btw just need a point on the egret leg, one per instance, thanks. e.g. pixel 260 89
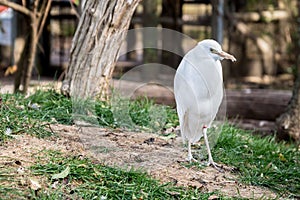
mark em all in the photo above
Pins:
pixel 190 156
pixel 210 159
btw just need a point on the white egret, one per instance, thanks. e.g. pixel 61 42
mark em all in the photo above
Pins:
pixel 198 88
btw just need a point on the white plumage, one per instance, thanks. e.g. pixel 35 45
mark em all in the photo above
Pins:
pixel 198 88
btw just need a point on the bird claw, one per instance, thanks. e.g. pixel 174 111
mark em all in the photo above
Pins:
pixel 216 166
pixel 192 160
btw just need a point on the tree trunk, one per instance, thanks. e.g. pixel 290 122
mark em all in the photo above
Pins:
pixel 22 62
pixel 288 124
pixel 31 54
pixel 96 44
pixel 36 19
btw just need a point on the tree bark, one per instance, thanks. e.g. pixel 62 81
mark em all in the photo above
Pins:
pixel 21 63
pixel 32 48
pixel 96 44
pixel 288 124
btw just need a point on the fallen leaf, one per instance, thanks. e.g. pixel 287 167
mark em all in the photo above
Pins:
pixel 34 184
pixel 213 197
pixel 62 174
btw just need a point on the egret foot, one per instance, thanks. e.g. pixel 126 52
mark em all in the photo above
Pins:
pixel 191 159
pixel 216 166
pixel 188 159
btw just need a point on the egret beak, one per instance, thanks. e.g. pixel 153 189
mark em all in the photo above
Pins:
pixel 225 55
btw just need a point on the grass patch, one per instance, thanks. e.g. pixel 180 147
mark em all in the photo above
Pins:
pixel 10 181
pixel 31 115
pixel 87 179
pixel 261 161
pixel 90 180
pixel 141 114
pixel 54 107
pixel 21 115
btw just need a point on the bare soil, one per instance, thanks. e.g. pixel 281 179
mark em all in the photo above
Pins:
pixel 159 157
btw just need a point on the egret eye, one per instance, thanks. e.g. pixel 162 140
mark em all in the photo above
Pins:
pixel 212 50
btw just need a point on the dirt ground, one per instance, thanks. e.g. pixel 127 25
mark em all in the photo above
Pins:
pixel 154 154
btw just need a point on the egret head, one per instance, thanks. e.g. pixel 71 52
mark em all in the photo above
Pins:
pixel 214 49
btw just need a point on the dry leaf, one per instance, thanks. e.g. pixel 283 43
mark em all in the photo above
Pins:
pixel 34 184
pixel 62 174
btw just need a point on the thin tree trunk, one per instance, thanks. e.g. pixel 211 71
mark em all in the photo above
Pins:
pixel 288 124
pixel 21 65
pixel 31 55
pixel 96 44
pixel 36 19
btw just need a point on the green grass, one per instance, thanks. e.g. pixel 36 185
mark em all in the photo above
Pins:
pixel 141 114
pixel 54 107
pixel 33 114
pixel 90 180
pixel 259 161
pixel 19 114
